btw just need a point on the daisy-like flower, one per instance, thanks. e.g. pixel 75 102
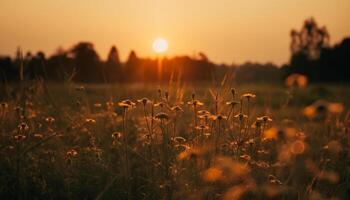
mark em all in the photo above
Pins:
pixel 160 104
pixel 265 118
pixel 162 116
pixel 88 120
pixel 203 112
pixel 50 120
pixel 98 105
pixel 241 116
pixel 202 127
pixel 19 137
pixel 144 101
pixel 126 103
pixel 249 95
pixel 218 117
pixel 23 127
pixel 176 109
pixel 195 103
pixel 232 103
pixel 72 153
pixel 117 135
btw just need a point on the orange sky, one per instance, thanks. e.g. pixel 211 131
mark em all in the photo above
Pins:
pixel 226 30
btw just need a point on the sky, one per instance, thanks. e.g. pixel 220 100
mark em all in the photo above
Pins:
pixel 227 31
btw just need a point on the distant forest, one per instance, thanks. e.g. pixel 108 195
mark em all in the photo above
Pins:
pixel 311 55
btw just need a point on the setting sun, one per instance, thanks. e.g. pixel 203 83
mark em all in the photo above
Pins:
pixel 160 45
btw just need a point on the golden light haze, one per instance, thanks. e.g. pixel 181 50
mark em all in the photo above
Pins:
pixel 226 30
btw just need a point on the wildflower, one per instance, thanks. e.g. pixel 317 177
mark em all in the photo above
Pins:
pixel 176 109
pixel 20 137
pixel 248 95
pixel 241 116
pixel 90 120
pixel 162 116
pixel 245 157
pixel 17 109
pixel 159 104
pixel 49 120
pixel 202 127
pixel 98 105
pixel 203 112
pixel 23 127
pixel 117 135
pixel 179 140
pixel 250 142
pixel 265 119
pixel 144 101
pixel 274 180
pixel 126 104
pixel 195 103
pixel 232 103
pixel 218 117
pixel 72 153
pixel 38 136
pixel 109 104
pixel 262 164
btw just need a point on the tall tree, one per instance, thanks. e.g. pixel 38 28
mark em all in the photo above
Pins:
pixel 87 62
pixel 112 69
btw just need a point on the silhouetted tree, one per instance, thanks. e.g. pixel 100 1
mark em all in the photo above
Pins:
pixel 87 62
pixel 112 69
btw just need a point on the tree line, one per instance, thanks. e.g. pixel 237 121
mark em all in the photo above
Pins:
pixel 311 55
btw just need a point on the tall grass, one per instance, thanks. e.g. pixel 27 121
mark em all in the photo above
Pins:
pixel 211 142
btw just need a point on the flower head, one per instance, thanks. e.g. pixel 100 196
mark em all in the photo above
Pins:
pixel 126 104
pixel 144 101
pixel 248 95
pixel 162 116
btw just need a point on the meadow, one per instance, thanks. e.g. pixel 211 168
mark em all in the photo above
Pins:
pixel 175 141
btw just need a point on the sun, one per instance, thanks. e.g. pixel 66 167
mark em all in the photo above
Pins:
pixel 160 45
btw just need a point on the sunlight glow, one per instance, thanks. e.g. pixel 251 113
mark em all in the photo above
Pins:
pixel 160 45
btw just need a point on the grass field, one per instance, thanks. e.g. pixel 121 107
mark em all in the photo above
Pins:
pixel 68 141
